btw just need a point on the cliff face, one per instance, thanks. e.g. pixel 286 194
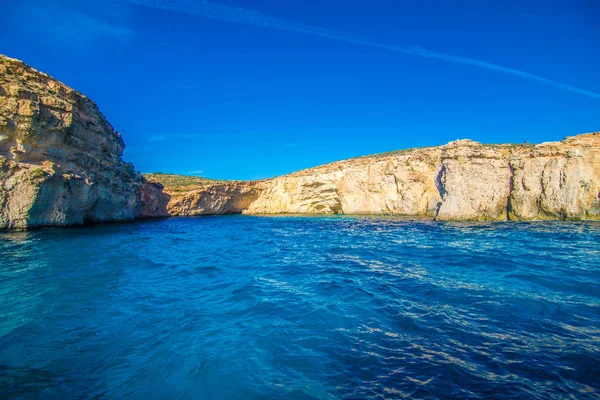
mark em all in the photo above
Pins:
pixel 462 180
pixel 60 159
pixel 60 164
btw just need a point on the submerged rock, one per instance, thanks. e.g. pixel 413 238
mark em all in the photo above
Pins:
pixel 463 180
pixel 60 159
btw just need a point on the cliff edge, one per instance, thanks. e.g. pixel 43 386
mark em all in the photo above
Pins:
pixel 60 164
pixel 60 159
pixel 460 181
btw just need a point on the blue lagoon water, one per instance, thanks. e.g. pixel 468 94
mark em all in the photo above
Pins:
pixel 301 308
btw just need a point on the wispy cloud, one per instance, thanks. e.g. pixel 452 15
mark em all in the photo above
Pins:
pixel 97 27
pixel 244 16
pixel 168 138
pixel 70 25
pixel 158 138
pixel 198 172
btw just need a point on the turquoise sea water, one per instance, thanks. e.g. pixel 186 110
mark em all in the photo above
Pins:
pixel 301 308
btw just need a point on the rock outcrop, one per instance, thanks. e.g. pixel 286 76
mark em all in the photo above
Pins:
pixel 60 159
pixel 60 164
pixel 463 180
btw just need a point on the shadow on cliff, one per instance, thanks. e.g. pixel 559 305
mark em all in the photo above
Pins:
pixel 153 200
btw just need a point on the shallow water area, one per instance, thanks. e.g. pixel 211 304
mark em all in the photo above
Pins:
pixel 301 308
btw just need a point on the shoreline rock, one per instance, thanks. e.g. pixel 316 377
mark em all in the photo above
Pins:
pixel 61 164
pixel 60 159
pixel 460 181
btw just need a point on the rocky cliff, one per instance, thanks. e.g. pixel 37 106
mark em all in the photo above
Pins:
pixel 60 159
pixel 60 164
pixel 463 180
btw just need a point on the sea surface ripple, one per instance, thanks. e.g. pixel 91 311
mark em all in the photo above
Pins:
pixel 301 308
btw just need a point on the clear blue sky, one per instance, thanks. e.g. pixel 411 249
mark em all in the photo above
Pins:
pixel 253 89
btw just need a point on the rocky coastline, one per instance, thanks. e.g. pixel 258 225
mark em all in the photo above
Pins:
pixel 61 164
pixel 60 159
pixel 460 181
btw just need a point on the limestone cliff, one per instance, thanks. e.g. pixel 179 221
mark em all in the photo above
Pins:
pixel 463 180
pixel 60 159
pixel 60 164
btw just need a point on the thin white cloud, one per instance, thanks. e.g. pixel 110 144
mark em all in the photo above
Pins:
pixel 98 27
pixel 158 138
pixel 168 138
pixel 74 26
pixel 239 15
pixel 198 172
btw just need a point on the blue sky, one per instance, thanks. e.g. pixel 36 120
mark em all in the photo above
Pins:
pixel 252 89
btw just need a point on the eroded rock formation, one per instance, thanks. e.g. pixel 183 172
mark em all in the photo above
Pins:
pixel 60 159
pixel 60 164
pixel 463 180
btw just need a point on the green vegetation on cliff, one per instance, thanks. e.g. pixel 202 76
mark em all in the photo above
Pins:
pixel 181 182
